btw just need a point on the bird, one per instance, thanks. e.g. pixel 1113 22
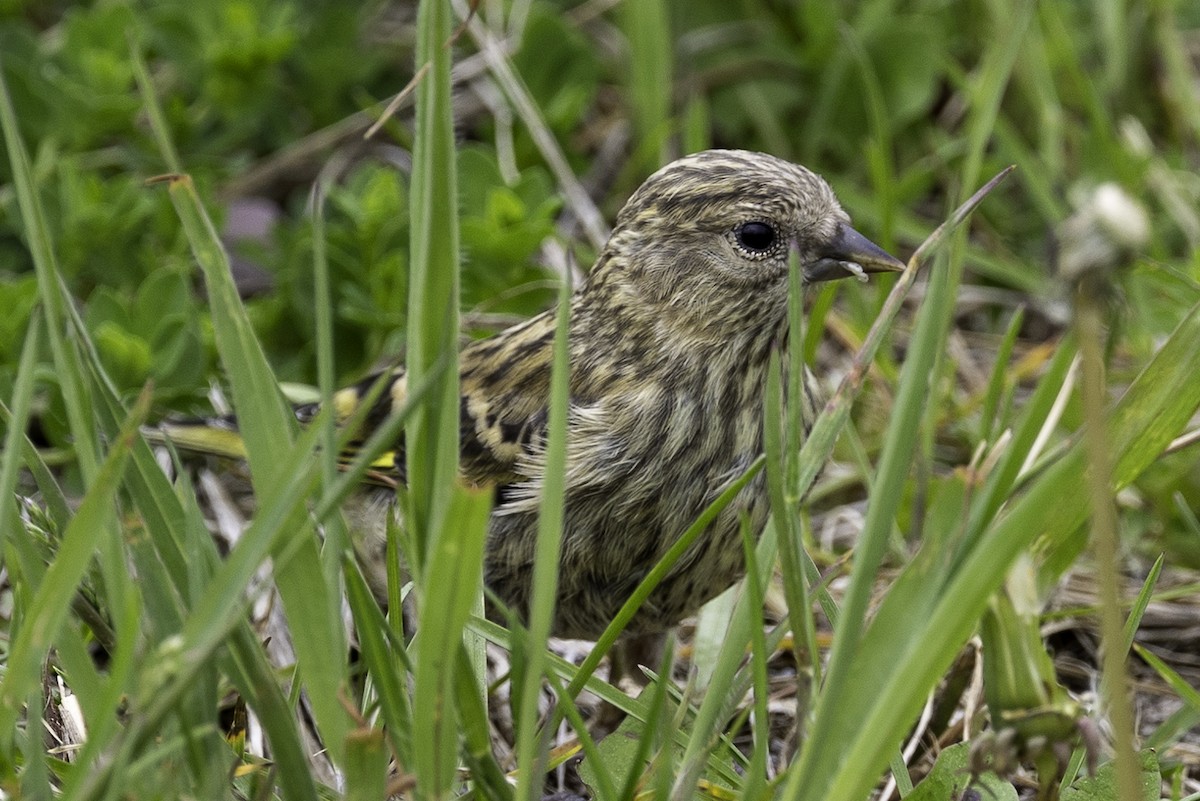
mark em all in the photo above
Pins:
pixel 670 336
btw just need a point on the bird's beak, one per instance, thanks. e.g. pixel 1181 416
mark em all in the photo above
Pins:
pixel 850 253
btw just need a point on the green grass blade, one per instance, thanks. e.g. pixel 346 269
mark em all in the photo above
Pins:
pixel 431 437
pixel 488 777
pixel 457 562
pixel 158 122
pixel 336 538
pixel 1186 692
pixel 14 438
pixel 880 146
pixel 266 423
pixel 989 422
pixel 255 679
pixel 999 485
pixel 531 750
pixel 265 418
pixel 783 515
pixel 756 774
pixel 54 301
pixel 726 687
pixel 647 31
pixel 1141 603
pixel 385 660
pixel 366 765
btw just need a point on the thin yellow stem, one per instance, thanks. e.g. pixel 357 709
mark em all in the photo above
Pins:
pixel 1114 684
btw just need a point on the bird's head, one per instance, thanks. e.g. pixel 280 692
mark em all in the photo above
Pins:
pixel 705 240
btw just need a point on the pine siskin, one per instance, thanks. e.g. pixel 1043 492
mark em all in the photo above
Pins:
pixel 669 341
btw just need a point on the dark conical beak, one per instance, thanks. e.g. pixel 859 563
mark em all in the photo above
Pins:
pixel 850 253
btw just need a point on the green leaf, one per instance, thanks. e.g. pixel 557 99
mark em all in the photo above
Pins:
pixel 620 754
pixel 952 775
pixel 560 69
pixel 1103 786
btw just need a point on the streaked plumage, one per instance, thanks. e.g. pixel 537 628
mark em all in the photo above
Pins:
pixel 670 338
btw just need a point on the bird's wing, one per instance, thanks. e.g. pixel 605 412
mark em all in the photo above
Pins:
pixel 504 385
pixel 505 388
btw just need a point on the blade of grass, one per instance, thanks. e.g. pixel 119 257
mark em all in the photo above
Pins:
pixel 54 302
pixel 1091 325
pixel 17 419
pixel 1179 70
pixel 756 774
pixel 783 514
pixel 1186 692
pixel 531 749
pixel 255 679
pixel 486 774
pixel 457 562
pixel 265 418
pixel 880 146
pixel 53 500
pixel 386 661
pixel 792 493
pixel 431 437
pixel 445 523
pixel 654 734
pixel 266 423
pixel 35 778
pixel 648 34
pixel 731 676
pixel 868 22
pixel 1141 603
pixel 158 122
pixel 366 765
pixel 336 539
pixel 989 418
pixel 1003 477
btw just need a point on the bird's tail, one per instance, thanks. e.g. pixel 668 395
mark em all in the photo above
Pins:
pixel 220 437
pixel 208 436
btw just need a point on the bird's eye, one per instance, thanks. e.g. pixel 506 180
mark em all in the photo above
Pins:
pixel 756 237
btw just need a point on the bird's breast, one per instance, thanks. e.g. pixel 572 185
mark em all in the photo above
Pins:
pixel 643 464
